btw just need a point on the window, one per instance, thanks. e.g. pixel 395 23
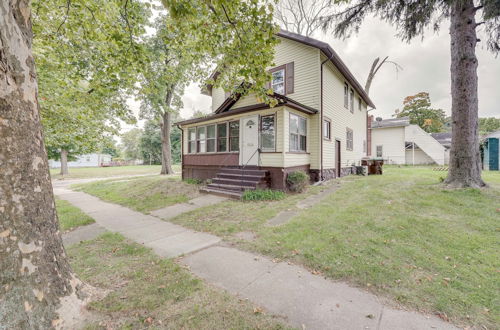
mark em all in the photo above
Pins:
pixel 192 140
pixel 222 137
pixel 278 81
pixel 211 138
pixel 360 104
pixel 346 95
pixel 234 136
pixel 364 145
pixel 327 128
pixel 267 133
pixel 298 133
pixel 349 144
pixel 201 138
pixel 352 101
pixel 379 151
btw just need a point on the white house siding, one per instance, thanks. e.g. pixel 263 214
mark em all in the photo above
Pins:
pixel 89 160
pixel 421 158
pixel 392 140
pixel 341 119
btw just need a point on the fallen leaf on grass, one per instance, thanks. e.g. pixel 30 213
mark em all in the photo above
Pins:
pixel 316 272
pixel 370 316
pixel 149 320
pixel 258 310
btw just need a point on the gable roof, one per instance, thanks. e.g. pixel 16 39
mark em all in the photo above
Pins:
pixel 393 122
pixel 443 138
pixel 329 53
pixel 225 110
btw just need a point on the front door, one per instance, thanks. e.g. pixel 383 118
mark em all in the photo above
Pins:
pixel 249 140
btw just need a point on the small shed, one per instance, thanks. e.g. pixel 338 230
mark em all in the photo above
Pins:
pixel 491 153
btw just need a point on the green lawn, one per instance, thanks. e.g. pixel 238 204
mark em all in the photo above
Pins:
pixel 142 194
pixel 71 217
pixel 400 235
pixel 103 172
pixel 147 291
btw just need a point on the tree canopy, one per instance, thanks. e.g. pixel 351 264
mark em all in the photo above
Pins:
pixel 418 108
pixel 87 54
pixel 489 125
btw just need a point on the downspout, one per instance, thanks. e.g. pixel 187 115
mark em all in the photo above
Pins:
pixel 182 151
pixel 321 118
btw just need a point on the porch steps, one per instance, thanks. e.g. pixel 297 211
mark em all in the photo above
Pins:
pixel 233 181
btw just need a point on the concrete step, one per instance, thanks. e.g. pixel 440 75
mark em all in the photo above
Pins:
pixel 236 182
pixel 246 171
pixel 222 192
pixel 231 187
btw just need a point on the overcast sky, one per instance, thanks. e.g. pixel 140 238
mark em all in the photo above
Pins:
pixel 426 68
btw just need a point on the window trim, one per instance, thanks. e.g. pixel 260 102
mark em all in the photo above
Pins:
pixel 349 146
pixel 329 121
pixel 290 150
pixel 260 133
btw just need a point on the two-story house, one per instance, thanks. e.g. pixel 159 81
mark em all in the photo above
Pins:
pixel 319 124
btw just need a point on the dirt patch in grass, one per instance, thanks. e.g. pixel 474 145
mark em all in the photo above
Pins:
pixel 399 235
pixel 147 291
pixel 71 217
pixel 143 194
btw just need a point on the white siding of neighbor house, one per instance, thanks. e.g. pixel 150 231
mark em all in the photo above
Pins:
pixel 341 118
pixel 89 160
pixel 392 140
pixel 419 158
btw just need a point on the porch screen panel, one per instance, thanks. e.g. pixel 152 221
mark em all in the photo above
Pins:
pixel 202 143
pixel 234 136
pixel 267 133
pixel 222 137
pixel 192 140
pixel 211 138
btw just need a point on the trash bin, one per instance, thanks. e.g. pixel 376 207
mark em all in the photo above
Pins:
pixel 374 165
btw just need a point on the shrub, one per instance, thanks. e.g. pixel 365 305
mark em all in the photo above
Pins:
pixel 263 195
pixel 297 181
pixel 193 181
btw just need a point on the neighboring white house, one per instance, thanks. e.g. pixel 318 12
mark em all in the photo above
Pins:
pixel 399 142
pixel 90 160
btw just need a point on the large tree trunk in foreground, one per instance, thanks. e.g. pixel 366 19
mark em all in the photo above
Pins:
pixel 166 146
pixel 37 286
pixel 465 159
pixel 64 162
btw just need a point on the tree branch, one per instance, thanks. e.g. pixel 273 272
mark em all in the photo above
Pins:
pixel 68 6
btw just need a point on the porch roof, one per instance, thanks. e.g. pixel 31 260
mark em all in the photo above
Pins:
pixel 225 108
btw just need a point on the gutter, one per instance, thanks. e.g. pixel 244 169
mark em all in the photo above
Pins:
pixel 321 119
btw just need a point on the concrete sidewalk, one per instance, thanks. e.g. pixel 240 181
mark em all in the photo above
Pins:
pixel 166 239
pixel 172 211
pixel 307 301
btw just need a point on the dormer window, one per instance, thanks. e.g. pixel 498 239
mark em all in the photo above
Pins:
pixel 278 81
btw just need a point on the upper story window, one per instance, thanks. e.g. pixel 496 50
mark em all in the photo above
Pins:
pixel 267 133
pixel 360 104
pixel 349 141
pixel 298 133
pixel 351 105
pixel 327 129
pixel 278 81
pixel 346 95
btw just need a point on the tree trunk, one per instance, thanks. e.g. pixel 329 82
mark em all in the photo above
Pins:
pixel 166 147
pixel 465 160
pixel 37 286
pixel 64 162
